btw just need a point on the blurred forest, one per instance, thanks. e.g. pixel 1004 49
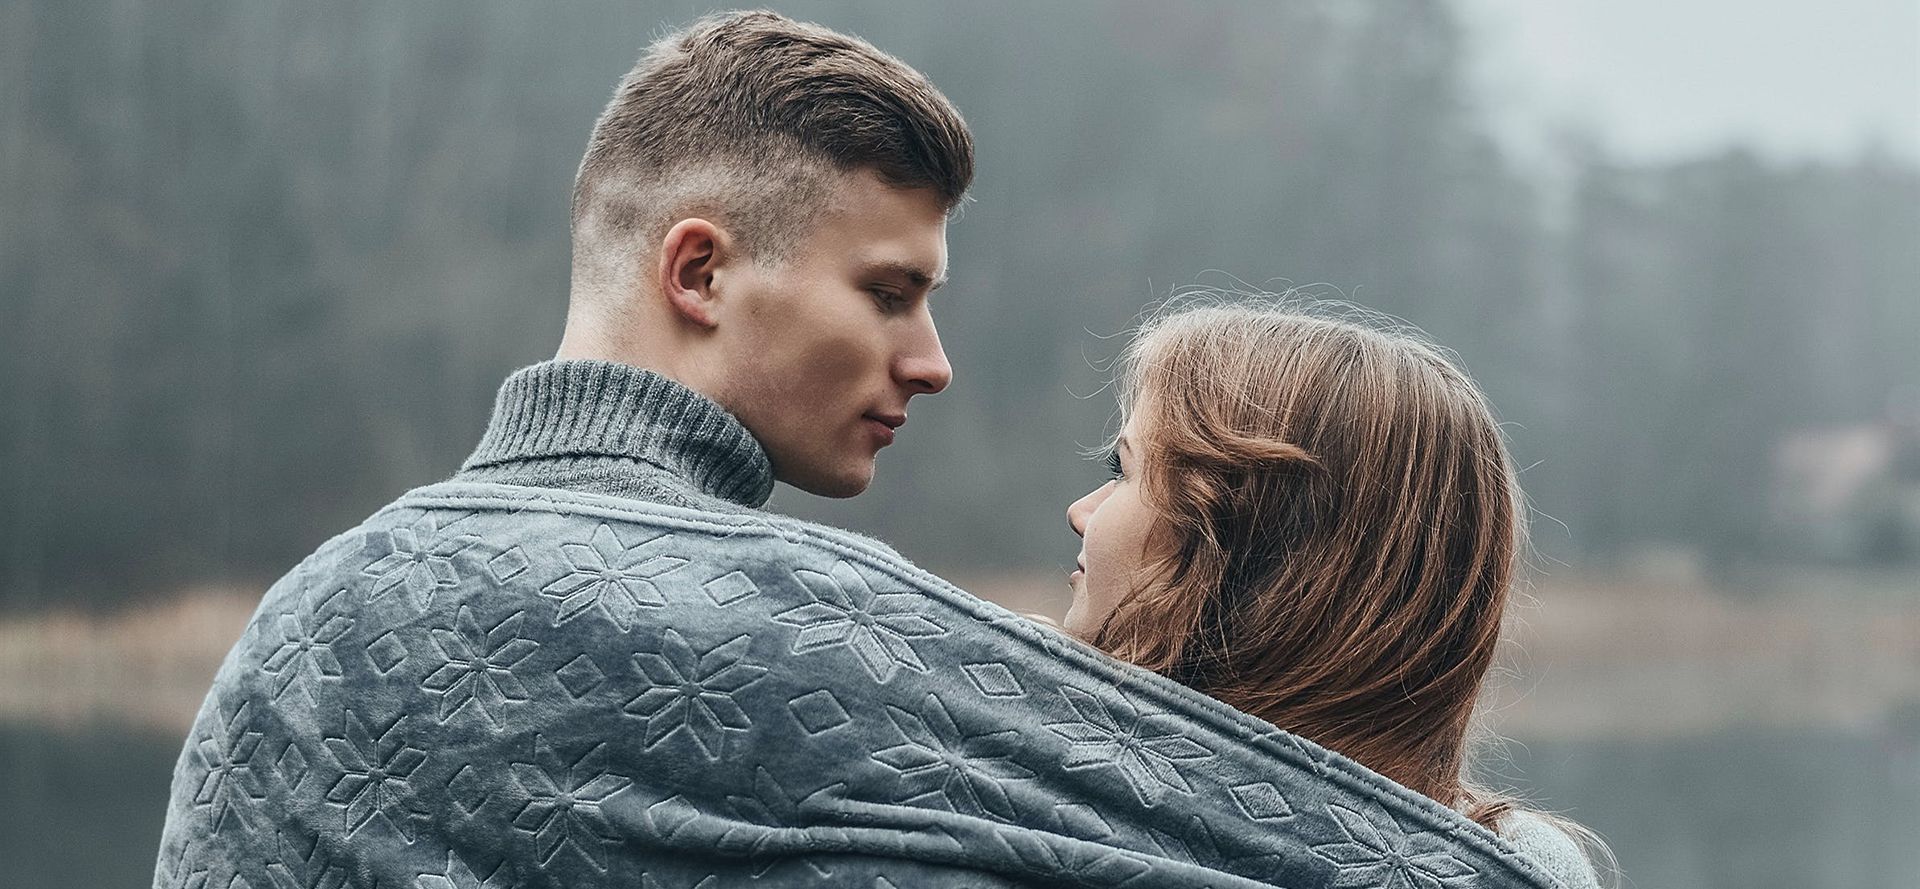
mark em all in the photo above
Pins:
pixel 263 264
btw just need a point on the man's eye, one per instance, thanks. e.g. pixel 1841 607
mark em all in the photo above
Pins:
pixel 1113 465
pixel 888 300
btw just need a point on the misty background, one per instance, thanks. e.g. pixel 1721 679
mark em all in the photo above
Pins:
pixel 263 265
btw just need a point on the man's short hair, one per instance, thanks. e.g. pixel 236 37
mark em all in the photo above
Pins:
pixel 750 117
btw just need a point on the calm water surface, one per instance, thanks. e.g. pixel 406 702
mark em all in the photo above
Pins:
pixel 83 809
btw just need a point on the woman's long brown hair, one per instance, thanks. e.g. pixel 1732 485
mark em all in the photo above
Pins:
pixel 1340 525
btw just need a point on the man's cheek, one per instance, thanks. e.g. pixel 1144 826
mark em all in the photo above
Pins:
pixel 830 362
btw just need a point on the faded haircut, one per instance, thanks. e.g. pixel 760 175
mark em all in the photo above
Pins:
pixel 749 118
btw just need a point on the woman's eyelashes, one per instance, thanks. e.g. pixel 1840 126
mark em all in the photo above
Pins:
pixel 1113 465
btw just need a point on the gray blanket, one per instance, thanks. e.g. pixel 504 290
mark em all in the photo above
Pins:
pixel 492 685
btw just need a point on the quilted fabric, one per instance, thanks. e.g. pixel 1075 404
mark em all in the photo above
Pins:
pixel 496 685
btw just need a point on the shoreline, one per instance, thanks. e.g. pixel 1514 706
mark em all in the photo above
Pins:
pixel 1589 657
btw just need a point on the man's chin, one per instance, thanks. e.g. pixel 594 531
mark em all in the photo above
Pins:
pixel 837 485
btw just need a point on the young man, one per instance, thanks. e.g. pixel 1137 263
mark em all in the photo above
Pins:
pixel 760 217
pixel 591 659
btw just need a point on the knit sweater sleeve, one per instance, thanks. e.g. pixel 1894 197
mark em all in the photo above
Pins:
pixel 1551 848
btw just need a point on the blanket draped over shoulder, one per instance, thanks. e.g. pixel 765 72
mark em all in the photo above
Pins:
pixel 495 685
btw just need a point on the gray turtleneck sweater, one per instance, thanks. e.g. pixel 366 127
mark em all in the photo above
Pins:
pixel 603 428
pixel 591 659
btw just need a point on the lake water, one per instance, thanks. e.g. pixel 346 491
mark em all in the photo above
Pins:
pixel 1748 809
pixel 83 809
pixel 1730 810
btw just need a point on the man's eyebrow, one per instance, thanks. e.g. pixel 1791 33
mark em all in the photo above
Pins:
pixel 913 274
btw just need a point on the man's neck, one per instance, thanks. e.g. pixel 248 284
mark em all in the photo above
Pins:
pixel 611 427
pixel 636 343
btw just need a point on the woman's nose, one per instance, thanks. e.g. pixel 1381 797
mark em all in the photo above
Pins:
pixel 1081 509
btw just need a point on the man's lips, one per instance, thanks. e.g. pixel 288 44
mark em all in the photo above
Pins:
pixel 882 426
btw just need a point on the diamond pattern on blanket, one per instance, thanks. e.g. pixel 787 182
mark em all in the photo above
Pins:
pixel 730 588
pixel 580 676
pixel 458 875
pixel 1055 857
pixel 291 767
pixel 1081 820
pixel 993 679
pixel 469 789
pixel 818 711
pixel 565 793
pixel 1318 758
pixel 647 881
pixel 879 628
pixel 477 667
pixel 668 816
pixel 418 558
pixel 940 763
pixel 508 564
pixel 188 873
pixel 225 752
pixel 304 864
pixel 693 692
pixel 615 579
pixel 1378 853
pixel 1146 747
pixel 1261 801
pixel 305 651
pixel 387 651
pixel 373 772
pixel 1196 844
pixel 769 810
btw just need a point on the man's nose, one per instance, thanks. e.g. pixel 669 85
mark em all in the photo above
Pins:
pixel 924 368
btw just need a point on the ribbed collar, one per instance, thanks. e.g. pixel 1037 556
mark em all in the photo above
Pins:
pixel 587 408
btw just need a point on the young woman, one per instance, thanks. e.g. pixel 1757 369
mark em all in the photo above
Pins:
pixel 1315 520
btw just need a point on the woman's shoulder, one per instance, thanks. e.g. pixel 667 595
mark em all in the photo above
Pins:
pixel 1551 847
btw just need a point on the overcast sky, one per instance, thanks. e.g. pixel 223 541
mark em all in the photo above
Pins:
pixel 1660 79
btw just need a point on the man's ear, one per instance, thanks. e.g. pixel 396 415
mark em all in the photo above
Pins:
pixel 689 255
